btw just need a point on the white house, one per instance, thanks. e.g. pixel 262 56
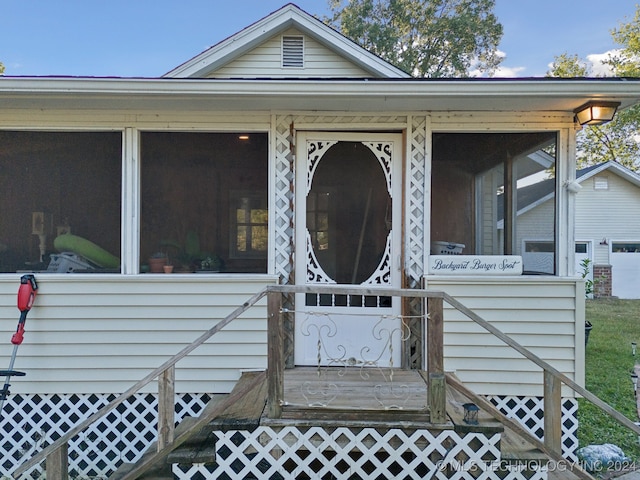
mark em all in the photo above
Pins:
pixel 285 154
pixel 607 227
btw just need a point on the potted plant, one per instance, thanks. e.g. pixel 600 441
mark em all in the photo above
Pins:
pixel 157 261
pixel 211 263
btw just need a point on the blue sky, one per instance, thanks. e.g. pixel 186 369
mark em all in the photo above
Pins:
pixel 147 38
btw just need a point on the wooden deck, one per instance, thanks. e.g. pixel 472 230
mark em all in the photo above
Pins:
pixel 355 394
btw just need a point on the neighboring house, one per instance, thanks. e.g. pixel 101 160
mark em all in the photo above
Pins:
pixel 284 154
pixel 607 228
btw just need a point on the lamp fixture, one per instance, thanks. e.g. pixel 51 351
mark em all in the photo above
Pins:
pixel 470 413
pixel 595 112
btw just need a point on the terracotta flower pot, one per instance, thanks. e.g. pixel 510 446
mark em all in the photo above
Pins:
pixel 156 264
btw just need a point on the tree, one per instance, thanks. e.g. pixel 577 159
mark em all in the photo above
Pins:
pixel 626 62
pixel 618 140
pixel 1 68
pixel 425 38
pixel 568 66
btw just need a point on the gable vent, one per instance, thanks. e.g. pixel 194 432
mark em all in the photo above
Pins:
pixel 601 183
pixel 293 51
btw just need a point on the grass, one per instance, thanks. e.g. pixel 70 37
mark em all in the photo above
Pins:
pixel 609 362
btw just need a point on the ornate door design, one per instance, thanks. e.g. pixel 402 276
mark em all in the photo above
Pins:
pixel 348 220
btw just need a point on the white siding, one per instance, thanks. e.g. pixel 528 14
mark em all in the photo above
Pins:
pixel 265 61
pixel 103 335
pixel 535 224
pixel 544 314
pixel 612 214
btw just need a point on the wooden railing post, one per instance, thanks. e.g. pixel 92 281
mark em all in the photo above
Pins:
pixel 275 355
pixel 435 360
pixel 166 407
pixel 58 463
pixel 552 412
pixel 435 336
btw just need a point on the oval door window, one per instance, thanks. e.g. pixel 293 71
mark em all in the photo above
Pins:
pixel 349 213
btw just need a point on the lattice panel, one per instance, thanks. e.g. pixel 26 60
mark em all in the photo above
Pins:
pixel 416 215
pixel 30 423
pixel 415 238
pixel 284 199
pixel 292 453
pixel 529 411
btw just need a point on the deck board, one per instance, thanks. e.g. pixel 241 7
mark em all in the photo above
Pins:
pixel 244 414
pixel 355 393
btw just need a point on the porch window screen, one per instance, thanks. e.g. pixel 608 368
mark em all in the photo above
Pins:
pixel 494 193
pixel 204 202
pixel 60 183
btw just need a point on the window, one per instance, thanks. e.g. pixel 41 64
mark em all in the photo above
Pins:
pixel 60 183
pixel 249 226
pixel 625 247
pixel 493 191
pixel 581 247
pixel 319 215
pixel 190 182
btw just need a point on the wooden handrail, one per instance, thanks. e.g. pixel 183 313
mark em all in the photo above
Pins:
pixel 552 377
pixel 55 446
pixel 547 368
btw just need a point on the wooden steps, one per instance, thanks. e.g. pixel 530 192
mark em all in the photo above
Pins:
pixel 244 409
pixel 155 460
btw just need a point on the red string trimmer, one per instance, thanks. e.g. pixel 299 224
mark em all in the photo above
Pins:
pixel 26 296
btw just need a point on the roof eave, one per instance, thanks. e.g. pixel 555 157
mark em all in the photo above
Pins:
pixel 323 94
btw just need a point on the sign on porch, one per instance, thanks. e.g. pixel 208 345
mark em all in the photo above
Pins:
pixel 475 264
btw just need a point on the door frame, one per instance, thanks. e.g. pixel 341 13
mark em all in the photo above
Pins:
pixel 395 181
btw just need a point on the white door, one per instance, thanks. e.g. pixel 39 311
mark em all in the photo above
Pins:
pixel 348 221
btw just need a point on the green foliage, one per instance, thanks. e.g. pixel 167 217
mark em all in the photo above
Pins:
pixel 609 362
pixel 626 62
pixel 568 66
pixel 616 141
pixel 426 38
pixel 588 283
pixel 1 68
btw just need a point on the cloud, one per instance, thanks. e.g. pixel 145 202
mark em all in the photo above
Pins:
pixel 508 72
pixel 598 68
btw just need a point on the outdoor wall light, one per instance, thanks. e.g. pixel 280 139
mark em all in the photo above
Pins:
pixel 595 113
pixel 470 413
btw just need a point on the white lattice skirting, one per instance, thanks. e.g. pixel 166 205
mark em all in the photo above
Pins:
pixel 529 411
pixel 31 422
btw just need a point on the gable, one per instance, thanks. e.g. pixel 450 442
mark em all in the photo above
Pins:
pixel 307 58
pixel 258 44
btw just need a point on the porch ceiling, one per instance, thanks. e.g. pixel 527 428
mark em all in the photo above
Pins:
pixel 517 95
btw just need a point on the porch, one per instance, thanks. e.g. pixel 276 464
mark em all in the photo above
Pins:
pixel 287 411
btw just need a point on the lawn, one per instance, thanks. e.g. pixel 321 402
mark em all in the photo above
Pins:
pixel 609 362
